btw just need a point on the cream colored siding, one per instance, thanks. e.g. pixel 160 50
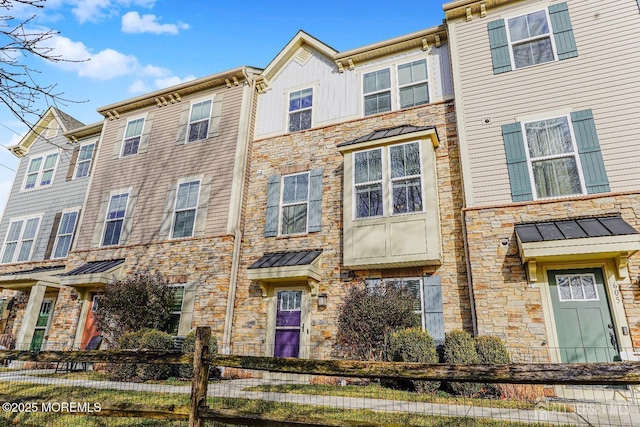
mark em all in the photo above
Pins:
pixel 334 98
pixel 603 78
pixel 153 172
pixel 440 73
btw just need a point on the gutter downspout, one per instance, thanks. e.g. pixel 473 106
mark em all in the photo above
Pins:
pixel 474 319
pixel 235 217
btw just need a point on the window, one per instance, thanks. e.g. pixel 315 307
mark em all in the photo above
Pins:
pixel 412 82
pixel 535 38
pixel 64 235
pixel 412 284
pixel 115 219
pixel 377 92
pixel 176 311
pixel 404 181
pixel 184 216
pixel 132 137
pixel 300 103
pixel 368 183
pixel 577 287
pixel 295 203
pixel 530 39
pixel 83 164
pixel 20 239
pixel 40 171
pixel 199 121
pixel 552 154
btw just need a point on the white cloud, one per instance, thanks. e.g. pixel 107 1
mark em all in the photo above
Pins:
pixel 172 81
pixel 96 10
pixel 138 87
pixel 156 72
pixel 133 23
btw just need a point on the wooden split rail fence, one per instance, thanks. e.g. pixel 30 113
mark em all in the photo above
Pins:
pixel 616 373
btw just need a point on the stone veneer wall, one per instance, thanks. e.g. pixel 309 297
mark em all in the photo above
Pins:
pixel 302 151
pixel 505 304
pixel 205 261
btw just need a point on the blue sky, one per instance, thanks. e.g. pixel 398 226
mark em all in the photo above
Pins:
pixel 130 47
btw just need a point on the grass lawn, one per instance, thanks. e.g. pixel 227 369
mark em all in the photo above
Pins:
pixel 29 392
pixel 376 391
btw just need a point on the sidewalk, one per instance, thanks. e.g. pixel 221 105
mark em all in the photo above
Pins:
pixel 625 414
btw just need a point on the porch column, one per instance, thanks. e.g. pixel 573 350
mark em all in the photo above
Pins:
pixel 30 316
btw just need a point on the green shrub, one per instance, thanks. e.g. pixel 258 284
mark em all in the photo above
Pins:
pixel 414 345
pixel 128 341
pixel 154 340
pixel 460 348
pixel 188 346
pixel 492 350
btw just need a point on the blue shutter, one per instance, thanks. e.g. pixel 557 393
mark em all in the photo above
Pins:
pixel 315 200
pixel 562 31
pixel 433 310
pixel 517 163
pixel 595 175
pixel 499 45
pixel 273 206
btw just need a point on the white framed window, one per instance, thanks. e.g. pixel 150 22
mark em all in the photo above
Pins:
pixel 184 213
pixel 577 287
pixel 115 219
pixel 530 38
pixel 393 172
pixel 553 160
pixel 20 239
pixel 64 234
pixel 413 284
pixel 83 163
pixel 294 203
pixel 290 300
pixel 52 129
pixel 199 121
pixel 40 171
pixel 413 83
pixel 132 135
pixel 176 310
pixel 300 109
pixel 376 87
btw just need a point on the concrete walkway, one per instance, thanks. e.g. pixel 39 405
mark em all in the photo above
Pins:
pixel 588 413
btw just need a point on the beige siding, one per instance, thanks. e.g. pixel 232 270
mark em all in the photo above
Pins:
pixel 604 78
pixel 152 173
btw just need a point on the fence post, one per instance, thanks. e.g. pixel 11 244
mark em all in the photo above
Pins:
pixel 200 375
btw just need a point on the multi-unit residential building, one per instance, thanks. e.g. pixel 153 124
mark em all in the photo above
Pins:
pixel 40 220
pixel 486 164
pixel 548 112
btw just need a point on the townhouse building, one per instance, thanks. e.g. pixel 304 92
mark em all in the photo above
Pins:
pixel 354 178
pixel 547 113
pixel 39 222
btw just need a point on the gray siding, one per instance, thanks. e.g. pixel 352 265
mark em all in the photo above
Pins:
pixel 62 194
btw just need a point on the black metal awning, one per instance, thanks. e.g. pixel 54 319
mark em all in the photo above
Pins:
pixel 286 259
pixel 574 229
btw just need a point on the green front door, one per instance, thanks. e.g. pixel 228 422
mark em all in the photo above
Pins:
pixel 583 318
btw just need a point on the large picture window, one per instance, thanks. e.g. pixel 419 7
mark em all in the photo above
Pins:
pixel 553 159
pixel 115 219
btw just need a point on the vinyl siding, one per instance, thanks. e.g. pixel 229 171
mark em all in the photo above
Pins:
pixel 603 78
pixel 62 194
pixel 153 172
pixel 338 96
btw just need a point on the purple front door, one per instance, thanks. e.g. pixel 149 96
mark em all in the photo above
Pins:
pixel 287 339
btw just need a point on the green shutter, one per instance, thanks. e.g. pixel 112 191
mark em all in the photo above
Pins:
pixel 273 206
pixel 315 200
pixel 562 31
pixel 433 308
pixel 499 45
pixel 595 175
pixel 517 162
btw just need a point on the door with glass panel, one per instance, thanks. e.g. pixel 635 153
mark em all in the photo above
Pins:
pixel 42 325
pixel 288 324
pixel 582 315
